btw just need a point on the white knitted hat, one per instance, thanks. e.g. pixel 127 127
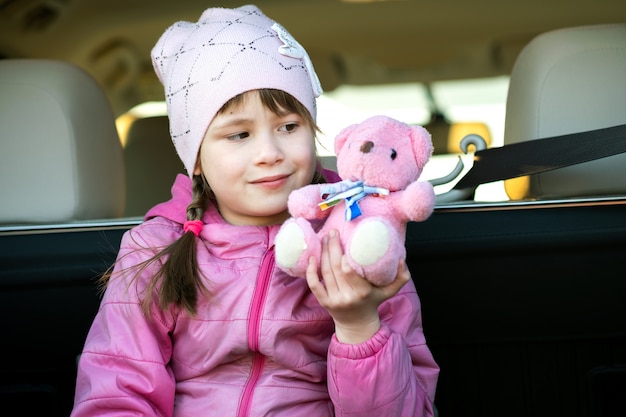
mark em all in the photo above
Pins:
pixel 227 52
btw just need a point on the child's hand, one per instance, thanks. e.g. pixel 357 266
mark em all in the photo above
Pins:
pixel 349 298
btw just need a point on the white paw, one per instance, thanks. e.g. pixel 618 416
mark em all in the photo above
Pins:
pixel 290 244
pixel 369 242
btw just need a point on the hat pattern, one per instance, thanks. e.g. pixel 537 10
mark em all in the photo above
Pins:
pixel 227 52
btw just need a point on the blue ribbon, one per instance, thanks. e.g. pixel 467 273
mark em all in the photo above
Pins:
pixel 350 192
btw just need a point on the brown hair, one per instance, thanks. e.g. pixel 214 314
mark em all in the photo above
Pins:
pixel 180 277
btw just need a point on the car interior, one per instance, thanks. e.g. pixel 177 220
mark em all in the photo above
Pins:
pixel 523 303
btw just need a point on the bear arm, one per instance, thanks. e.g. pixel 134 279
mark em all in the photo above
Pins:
pixel 416 202
pixel 303 202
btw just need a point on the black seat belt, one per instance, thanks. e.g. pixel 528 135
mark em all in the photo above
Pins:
pixel 535 156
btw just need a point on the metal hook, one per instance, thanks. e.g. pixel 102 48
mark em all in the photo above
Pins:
pixel 479 144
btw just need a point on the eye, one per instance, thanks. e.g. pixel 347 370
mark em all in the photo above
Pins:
pixel 238 136
pixel 289 127
pixel 394 154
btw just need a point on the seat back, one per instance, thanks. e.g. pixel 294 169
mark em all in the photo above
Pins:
pixel 60 155
pixel 568 81
pixel 151 164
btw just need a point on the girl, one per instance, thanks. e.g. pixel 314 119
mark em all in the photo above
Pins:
pixel 196 320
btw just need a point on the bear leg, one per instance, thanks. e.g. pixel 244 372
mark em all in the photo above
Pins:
pixel 295 243
pixel 373 251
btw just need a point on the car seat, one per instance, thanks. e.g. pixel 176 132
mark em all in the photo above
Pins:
pixel 60 159
pixel 151 164
pixel 567 81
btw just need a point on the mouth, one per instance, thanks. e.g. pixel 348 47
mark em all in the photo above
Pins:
pixel 274 181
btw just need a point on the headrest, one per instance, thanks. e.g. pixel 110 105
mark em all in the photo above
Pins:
pixel 60 159
pixel 568 81
pixel 151 164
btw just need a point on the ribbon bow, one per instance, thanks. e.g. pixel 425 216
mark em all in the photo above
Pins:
pixel 351 192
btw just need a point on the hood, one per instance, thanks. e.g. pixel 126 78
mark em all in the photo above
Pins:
pixel 175 209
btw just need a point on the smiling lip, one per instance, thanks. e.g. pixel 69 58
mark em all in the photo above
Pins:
pixel 275 181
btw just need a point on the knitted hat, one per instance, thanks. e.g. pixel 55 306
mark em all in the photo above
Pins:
pixel 227 52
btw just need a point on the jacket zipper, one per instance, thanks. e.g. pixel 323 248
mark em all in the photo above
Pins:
pixel 254 320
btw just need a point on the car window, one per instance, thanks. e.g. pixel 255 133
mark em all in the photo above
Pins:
pixel 443 65
pixel 472 106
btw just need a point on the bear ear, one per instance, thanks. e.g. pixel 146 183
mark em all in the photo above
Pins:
pixel 422 145
pixel 342 137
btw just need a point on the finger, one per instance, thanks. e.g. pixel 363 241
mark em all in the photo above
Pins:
pixel 335 250
pixel 326 266
pixel 346 268
pixel 313 280
pixel 337 260
pixel 403 276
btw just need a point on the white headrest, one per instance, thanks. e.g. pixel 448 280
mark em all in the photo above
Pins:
pixel 567 81
pixel 60 157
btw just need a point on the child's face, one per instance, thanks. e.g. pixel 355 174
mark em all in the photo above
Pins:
pixel 253 158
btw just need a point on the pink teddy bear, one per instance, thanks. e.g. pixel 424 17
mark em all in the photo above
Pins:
pixel 380 161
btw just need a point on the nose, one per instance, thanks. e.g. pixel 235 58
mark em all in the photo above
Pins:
pixel 268 149
pixel 367 146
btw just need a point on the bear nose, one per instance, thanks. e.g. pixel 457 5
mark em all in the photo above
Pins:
pixel 367 146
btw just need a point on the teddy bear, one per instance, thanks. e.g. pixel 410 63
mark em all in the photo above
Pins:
pixel 379 162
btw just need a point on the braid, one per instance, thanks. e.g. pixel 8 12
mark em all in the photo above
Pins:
pixel 180 273
pixel 200 196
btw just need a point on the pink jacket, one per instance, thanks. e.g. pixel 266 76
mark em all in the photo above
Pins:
pixel 260 346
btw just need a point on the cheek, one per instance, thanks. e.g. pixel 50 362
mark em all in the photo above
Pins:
pixel 308 162
pixel 218 171
pixel 213 164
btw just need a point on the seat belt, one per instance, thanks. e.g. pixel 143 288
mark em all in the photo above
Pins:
pixel 540 155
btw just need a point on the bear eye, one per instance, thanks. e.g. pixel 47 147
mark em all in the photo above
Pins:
pixel 394 154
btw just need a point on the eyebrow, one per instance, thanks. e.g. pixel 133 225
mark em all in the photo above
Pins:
pixel 231 122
